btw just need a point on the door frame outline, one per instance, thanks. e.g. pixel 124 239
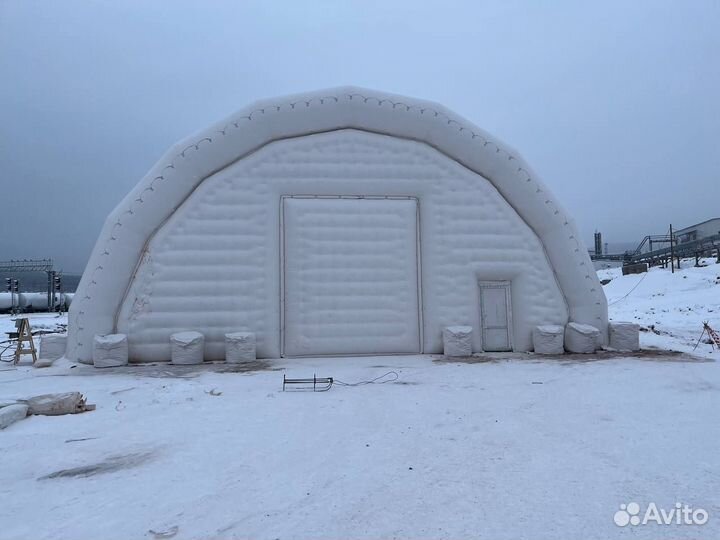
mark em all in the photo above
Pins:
pixel 418 264
pixel 497 284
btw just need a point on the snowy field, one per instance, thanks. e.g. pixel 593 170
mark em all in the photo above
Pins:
pixel 672 307
pixel 511 446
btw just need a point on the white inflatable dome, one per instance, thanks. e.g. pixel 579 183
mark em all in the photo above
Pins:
pixel 340 222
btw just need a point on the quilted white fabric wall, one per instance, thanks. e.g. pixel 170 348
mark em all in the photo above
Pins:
pixel 214 266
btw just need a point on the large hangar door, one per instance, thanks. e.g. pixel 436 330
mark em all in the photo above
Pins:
pixel 349 276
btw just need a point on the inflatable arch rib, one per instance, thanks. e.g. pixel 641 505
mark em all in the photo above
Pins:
pixel 187 164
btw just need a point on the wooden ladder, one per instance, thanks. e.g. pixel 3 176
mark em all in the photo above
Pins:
pixel 24 336
pixel 712 333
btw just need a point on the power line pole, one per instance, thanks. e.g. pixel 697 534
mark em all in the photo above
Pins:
pixel 672 251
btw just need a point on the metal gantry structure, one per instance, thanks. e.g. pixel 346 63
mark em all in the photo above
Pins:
pixel 54 280
pixel 27 265
pixel 703 247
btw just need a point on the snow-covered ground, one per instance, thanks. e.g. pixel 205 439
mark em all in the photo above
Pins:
pixel 671 307
pixel 38 322
pixel 512 447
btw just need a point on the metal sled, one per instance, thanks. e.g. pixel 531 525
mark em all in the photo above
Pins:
pixel 316 384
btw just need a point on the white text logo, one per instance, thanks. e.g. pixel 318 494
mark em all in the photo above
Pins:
pixel 680 514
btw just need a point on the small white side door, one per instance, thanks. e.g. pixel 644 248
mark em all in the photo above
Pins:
pixel 496 315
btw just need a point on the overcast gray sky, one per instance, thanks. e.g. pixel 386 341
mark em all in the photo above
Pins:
pixel 615 104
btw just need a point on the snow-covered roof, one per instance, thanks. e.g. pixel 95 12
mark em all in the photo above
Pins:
pixel 155 198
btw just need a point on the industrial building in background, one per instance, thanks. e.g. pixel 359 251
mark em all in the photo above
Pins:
pixel 700 231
